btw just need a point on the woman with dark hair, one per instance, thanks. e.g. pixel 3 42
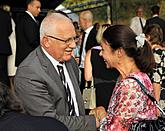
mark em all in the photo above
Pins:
pixel 12 117
pixel 154 35
pixel 132 56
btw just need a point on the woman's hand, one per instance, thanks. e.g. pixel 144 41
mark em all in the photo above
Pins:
pixel 99 113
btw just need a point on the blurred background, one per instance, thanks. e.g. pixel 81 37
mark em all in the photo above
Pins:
pixel 111 11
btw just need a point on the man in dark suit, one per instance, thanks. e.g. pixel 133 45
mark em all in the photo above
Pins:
pixel 156 19
pixel 5 48
pixel 47 81
pixel 88 40
pixel 27 31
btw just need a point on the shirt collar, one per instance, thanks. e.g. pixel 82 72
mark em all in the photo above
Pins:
pixel 155 15
pixel 31 15
pixel 54 61
pixel 88 29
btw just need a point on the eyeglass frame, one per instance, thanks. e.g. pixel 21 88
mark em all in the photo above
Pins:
pixel 67 41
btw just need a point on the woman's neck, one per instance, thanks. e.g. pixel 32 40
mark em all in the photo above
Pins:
pixel 127 69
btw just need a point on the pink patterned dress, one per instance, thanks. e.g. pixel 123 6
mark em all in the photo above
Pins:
pixel 129 104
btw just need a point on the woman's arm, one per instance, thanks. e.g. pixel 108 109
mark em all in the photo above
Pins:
pixel 156 87
pixel 88 67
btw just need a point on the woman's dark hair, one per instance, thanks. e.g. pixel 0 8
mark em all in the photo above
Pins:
pixel 121 36
pixel 154 31
pixel 8 100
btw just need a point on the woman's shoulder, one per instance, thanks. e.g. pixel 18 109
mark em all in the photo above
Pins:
pixel 143 78
pixel 139 75
pixel 159 55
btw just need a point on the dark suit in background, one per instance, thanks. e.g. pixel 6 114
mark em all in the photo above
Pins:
pixel 27 36
pixel 86 23
pixel 91 42
pixel 156 19
pixel 159 21
pixel 5 48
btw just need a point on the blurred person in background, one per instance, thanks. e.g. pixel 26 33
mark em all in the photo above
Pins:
pixel 88 40
pixel 138 22
pixel 5 48
pixel 95 68
pixel 154 35
pixel 155 19
pixel 11 58
pixel 76 50
pixel 27 30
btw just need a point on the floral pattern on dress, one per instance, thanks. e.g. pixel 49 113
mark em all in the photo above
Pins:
pixel 159 71
pixel 129 104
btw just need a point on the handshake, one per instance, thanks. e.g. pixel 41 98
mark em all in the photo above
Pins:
pixel 99 113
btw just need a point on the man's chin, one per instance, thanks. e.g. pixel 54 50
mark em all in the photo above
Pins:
pixel 68 57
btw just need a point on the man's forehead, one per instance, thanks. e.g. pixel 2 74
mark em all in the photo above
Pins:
pixel 140 10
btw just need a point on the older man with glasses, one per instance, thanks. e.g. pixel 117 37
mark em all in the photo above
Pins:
pixel 47 81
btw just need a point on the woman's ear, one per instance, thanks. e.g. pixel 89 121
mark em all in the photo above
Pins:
pixel 120 52
pixel 148 37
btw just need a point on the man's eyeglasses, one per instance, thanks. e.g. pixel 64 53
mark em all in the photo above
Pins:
pixel 67 41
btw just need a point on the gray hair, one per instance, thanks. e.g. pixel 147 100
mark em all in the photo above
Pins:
pixel 87 15
pixel 51 22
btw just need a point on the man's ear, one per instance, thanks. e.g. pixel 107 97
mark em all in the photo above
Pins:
pixel 29 6
pixel 45 42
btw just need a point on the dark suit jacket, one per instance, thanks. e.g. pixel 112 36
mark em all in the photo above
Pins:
pixel 13 121
pixel 91 41
pixel 39 87
pixel 159 21
pixel 5 31
pixel 27 36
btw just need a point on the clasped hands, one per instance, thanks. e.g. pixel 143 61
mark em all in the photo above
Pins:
pixel 99 113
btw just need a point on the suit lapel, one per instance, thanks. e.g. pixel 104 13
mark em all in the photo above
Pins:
pixel 52 73
pixel 49 69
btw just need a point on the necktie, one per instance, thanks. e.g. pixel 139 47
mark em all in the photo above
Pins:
pixel 67 90
pixel 141 24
